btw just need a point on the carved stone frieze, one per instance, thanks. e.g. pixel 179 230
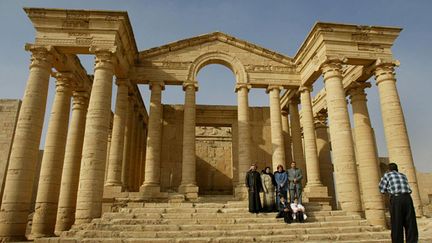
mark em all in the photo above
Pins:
pixel 76 24
pixel 370 47
pixel 169 65
pixel 213 131
pixel 269 69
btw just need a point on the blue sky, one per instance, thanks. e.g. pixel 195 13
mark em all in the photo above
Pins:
pixel 278 25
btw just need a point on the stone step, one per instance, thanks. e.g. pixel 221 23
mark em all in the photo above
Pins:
pixel 220 233
pixel 191 227
pixel 239 216
pixel 211 210
pixel 222 220
pixel 352 237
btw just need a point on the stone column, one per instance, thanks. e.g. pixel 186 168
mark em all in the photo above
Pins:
pixel 188 182
pixel 133 149
pixel 72 163
pixel 396 134
pixel 152 168
pixel 324 155
pixel 341 137
pixel 25 149
pixel 118 135
pixel 278 147
pixel 366 155
pixel 314 187
pixel 127 144
pixel 296 135
pixel 89 199
pixel 143 153
pixel 138 152
pixel 286 136
pixel 244 138
pixel 52 161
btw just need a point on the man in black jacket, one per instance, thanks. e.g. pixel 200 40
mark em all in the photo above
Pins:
pixel 253 183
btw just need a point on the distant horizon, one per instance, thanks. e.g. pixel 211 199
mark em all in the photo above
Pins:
pixel 280 26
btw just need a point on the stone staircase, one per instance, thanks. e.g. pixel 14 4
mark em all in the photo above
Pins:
pixel 227 221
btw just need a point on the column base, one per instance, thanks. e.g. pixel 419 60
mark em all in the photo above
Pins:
pixel 189 190
pixel 241 192
pixel 316 193
pixel 150 190
pixel 112 191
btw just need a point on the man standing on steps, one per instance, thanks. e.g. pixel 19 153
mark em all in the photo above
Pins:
pixel 253 183
pixel 295 177
pixel 402 213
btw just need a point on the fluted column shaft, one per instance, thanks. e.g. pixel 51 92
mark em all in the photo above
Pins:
pixel 133 150
pixel 296 135
pixel 311 154
pixel 278 147
pixel 118 134
pixel 18 184
pixel 286 136
pixel 188 181
pixel 396 134
pixel 154 139
pixel 127 144
pixel 244 137
pixel 52 161
pixel 72 163
pixel 324 156
pixel 367 159
pixel 342 142
pixel 138 153
pixel 89 199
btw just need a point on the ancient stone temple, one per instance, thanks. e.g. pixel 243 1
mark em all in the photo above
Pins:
pixel 100 163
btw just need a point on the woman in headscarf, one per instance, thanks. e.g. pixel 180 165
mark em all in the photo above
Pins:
pixel 268 185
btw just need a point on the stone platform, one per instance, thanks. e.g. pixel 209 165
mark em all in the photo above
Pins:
pixel 219 221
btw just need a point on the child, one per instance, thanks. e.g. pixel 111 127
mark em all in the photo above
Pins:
pixel 284 210
pixel 298 211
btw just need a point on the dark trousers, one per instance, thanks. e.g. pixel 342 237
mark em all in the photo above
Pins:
pixel 403 217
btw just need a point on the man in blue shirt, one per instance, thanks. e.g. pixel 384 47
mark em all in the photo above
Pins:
pixel 402 213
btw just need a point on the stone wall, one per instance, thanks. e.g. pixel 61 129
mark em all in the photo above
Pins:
pixel 212 116
pixel 9 110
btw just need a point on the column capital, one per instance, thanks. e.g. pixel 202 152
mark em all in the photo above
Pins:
pixel 320 119
pixel 295 100
pixel 357 91
pixel 272 87
pixel 157 83
pixel 41 55
pixel 385 70
pixel 304 88
pixel 242 86
pixel 104 57
pixel 192 84
pixel 284 112
pixel 332 67
pixel 65 81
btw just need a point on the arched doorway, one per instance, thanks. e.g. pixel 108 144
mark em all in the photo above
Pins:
pixel 214 140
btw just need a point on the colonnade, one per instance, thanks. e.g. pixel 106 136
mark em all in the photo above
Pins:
pixel 72 173
pixel 73 181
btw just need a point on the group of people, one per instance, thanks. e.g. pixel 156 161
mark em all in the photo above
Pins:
pixel 275 188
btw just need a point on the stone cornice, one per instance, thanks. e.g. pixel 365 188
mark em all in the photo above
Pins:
pixel 216 36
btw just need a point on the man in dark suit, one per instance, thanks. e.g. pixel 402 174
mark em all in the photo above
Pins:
pixel 295 177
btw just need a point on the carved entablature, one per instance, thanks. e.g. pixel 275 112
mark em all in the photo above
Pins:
pixel 270 69
pixel 213 131
pixel 168 65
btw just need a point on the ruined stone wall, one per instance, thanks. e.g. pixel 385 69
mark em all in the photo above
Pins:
pixel 9 110
pixel 209 116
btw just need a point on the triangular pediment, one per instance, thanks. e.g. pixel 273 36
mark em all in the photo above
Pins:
pixel 215 37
